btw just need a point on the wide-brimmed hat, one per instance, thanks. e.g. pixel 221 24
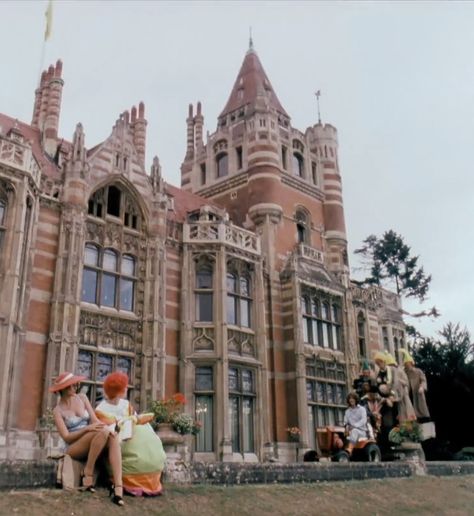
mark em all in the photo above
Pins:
pixel 65 380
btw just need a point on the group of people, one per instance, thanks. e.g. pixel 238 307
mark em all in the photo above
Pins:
pixel 134 453
pixel 385 398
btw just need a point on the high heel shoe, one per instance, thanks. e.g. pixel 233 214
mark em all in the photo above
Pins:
pixel 88 483
pixel 118 500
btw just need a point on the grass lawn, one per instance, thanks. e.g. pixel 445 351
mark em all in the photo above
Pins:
pixel 452 496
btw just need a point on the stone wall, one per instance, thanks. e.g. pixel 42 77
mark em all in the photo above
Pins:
pixel 28 474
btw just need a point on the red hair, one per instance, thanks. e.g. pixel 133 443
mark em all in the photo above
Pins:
pixel 115 383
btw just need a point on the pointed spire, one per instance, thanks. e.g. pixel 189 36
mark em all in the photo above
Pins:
pixel 155 176
pixel 78 149
pixel 251 79
pixel 251 49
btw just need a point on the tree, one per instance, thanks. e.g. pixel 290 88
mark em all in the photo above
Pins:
pixel 390 263
pixel 448 363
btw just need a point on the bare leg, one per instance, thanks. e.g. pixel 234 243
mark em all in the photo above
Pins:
pixel 115 459
pixel 89 445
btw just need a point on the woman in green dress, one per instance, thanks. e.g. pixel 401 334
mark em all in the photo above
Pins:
pixel 143 457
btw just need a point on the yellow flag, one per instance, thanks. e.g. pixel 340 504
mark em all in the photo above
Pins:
pixel 49 20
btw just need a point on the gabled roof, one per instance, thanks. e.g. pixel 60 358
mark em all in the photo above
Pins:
pixel 251 82
pixel 185 202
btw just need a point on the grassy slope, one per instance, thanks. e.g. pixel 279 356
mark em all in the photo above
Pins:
pixel 452 496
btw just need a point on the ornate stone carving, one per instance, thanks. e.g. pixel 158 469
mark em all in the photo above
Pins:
pixel 241 343
pixel 203 339
pixel 100 330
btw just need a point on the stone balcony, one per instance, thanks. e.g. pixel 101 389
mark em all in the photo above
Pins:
pixel 310 253
pixel 16 153
pixel 211 232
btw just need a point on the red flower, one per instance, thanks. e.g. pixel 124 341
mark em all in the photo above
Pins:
pixel 179 398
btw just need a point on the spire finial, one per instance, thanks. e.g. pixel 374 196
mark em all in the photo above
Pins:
pixel 250 39
pixel 318 94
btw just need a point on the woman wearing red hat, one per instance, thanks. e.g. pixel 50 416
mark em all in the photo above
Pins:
pixel 84 436
pixel 143 457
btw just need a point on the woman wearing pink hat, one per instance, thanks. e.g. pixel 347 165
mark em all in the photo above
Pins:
pixel 84 436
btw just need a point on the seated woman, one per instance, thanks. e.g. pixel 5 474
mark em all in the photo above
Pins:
pixel 143 457
pixel 84 436
pixel 355 421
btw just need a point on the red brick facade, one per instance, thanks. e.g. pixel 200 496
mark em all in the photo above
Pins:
pixel 233 289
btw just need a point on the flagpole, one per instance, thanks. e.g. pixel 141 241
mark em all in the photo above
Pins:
pixel 318 94
pixel 47 33
pixel 40 71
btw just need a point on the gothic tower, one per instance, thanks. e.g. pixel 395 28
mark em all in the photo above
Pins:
pixel 285 185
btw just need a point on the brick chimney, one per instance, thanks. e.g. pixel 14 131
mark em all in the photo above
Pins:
pixel 47 107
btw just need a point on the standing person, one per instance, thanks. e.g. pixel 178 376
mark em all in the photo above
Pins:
pixel 389 403
pixel 143 457
pixel 83 435
pixel 406 412
pixel 417 386
pixel 355 421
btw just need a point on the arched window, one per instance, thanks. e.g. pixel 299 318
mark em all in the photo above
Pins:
pixel 302 227
pixel 298 164
pixel 114 202
pixel 108 278
pixel 222 164
pixel 3 218
pixel 361 335
pixel 239 300
pixel 204 294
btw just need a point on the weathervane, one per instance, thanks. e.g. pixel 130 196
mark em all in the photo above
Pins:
pixel 318 94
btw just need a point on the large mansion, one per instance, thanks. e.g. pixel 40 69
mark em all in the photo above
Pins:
pixel 233 288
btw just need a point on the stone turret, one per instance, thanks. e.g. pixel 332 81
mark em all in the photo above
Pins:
pixel 324 144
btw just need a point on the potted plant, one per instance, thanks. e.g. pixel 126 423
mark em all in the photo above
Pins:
pixel 406 432
pixel 294 433
pixel 171 422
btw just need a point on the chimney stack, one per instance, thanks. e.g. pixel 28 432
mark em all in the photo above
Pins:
pixel 47 107
pixel 139 131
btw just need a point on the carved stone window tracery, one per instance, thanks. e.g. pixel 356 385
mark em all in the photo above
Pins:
pixel 113 201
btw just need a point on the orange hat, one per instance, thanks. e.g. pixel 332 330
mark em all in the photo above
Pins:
pixel 65 380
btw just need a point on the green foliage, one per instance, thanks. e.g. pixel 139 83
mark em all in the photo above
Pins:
pixel 449 357
pixel 170 410
pixel 389 260
pixel 167 409
pixel 448 362
pixel 185 424
pixel 408 431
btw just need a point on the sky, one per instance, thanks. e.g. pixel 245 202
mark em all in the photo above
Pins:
pixel 396 79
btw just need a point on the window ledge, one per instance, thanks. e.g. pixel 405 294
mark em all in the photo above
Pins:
pixel 105 310
pixel 243 329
